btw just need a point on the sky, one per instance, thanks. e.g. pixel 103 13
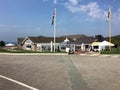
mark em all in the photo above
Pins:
pixel 22 18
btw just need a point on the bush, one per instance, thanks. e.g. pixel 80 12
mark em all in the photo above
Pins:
pixel 3 50
pixel 2 43
pixel 113 51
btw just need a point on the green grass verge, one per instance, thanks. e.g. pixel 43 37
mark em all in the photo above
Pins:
pixel 24 51
pixel 3 50
pixel 113 51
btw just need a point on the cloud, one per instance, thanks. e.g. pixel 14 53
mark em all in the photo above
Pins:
pixel 118 12
pixel 55 1
pixel 116 15
pixel 92 9
pixel 73 2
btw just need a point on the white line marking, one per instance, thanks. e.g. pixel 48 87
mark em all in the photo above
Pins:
pixel 94 55
pixel 115 56
pixel 17 82
pixel 104 55
pixel 82 54
pixel 21 54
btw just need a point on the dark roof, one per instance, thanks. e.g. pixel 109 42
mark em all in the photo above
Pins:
pixel 99 38
pixel 68 42
pixel 85 40
pixel 74 36
pixel 42 39
pixel 79 39
pixel 20 40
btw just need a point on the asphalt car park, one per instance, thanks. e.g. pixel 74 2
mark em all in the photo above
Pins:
pixel 59 72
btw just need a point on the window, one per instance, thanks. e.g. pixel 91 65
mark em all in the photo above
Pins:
pixel 95 47
pixel 63 48
pixel 78 47
pixel 28 46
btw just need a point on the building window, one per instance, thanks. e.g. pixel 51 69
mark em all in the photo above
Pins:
pixel 28 46
pixel 95 47
pixel 78 47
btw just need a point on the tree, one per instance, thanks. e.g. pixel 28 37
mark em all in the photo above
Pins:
pixel 2 43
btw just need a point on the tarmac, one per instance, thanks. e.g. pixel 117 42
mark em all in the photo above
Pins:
pixel 59 72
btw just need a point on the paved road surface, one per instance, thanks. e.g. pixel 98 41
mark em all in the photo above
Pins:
pixel 72 72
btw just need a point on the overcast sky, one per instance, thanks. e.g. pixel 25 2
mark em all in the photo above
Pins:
pixel 22 18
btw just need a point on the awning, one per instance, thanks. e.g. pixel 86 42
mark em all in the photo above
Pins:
pixel 96 43
pixel 106 43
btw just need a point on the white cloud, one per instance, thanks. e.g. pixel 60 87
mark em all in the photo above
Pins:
pixel 116 16
pixel 73 2
pixel 91 9
pixel 95 12
pixel 55 1
pixel 119 12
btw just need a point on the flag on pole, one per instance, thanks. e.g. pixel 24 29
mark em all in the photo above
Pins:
pixel 110 25
pixel 109 13
pixel 53 17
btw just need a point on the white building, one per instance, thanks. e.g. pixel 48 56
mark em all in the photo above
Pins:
pixel 45 44
pixel 99 46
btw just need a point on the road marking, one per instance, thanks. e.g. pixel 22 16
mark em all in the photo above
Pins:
pixel 28 54
pixel 115 56
pixel 104 56
pixel 82 54
pixel 94 55
pixel 17 82
pixel 75 77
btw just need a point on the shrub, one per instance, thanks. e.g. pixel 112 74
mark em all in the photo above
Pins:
pixel 113 51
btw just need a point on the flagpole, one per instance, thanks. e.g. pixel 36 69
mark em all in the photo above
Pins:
pixel 54 30
pixel 110 28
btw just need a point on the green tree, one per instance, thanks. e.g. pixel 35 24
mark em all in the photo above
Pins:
pixel 2 43
pixel 116 41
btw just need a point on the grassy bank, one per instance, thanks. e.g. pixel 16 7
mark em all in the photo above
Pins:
pixel 24 51
pixel 113 51
pixel 16 51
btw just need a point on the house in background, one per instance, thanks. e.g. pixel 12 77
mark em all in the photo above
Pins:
pixel 100 46
pixel 82 43
pixel 10 46
pixel 67 44
pixel 41 43
pixel 99 38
